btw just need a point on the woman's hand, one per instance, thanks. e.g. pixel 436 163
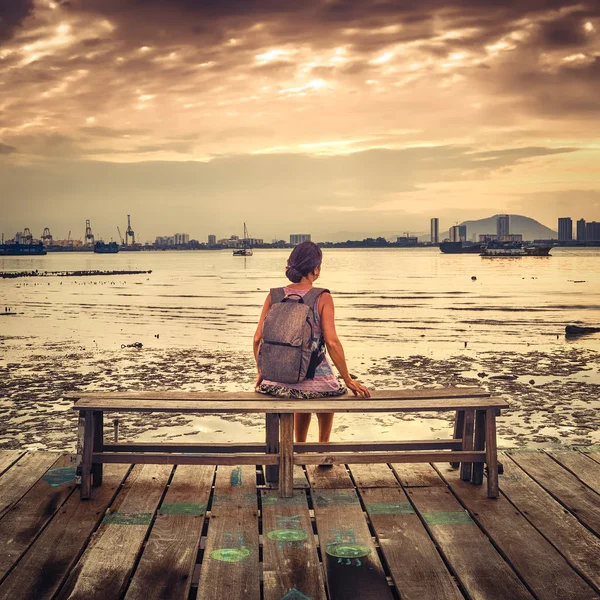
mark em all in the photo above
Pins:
pixel 358 389
pixel 259 379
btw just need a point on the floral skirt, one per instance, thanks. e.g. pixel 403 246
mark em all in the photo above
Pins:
pixel 281 391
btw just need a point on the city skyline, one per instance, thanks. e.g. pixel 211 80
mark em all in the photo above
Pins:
pixel 333 117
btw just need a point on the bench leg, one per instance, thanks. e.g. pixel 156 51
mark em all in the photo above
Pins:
pixel 459 423
pixel 98 447
pixel 491 452
pixel 467 443
pixel 86 459
pixel 286 455
pixel 479 444
pixel 272 422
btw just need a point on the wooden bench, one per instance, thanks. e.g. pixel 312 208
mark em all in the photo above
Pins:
pixel 473 443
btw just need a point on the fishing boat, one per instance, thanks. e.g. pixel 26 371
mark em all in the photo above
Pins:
pixel 245 250
pixel 17 249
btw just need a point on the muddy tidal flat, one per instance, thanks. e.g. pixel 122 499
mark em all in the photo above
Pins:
pixel 554 396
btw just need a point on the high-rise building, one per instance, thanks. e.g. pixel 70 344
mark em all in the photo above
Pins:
pixel 592 231
pixel 458 233
pixel 298 238
pixel 181 238
pixel 502 226
pixel 565 229
pixel 435 230
pixel 212 240
pixel 581 233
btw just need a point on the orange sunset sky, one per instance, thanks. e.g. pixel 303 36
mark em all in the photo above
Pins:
pixel 359 117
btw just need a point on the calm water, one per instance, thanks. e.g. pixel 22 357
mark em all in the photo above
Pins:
pixel 388 302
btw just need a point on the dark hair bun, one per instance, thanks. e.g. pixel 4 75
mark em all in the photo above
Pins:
pixel 293 274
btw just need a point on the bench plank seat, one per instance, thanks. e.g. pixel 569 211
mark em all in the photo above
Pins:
pixel 289 406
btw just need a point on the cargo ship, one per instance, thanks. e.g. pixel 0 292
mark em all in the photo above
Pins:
pixel 460 248
pixel 515 250
pixel 102 248
pixel 16 249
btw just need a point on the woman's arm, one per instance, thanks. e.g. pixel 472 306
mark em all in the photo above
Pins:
pixel 334 346
pixel 259 331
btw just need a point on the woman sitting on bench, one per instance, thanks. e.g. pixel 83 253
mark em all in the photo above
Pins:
pixel 287 369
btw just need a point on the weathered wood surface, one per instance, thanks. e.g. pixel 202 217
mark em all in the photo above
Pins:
pixel 22 476
pixel 287 406
pixel 540 565
pixel 582 465
pixel 416 567
pixel 352 566
pixel 103 571
pixel 482 572
pixel 8 458
pixel 166 566
pixel 531 541
pixel 448 392
pixel 417 475
pixel 382 457
pixel 583 502
pixel 50 559
pixel 31 513
pixel 230 564
pixel 172 458
pixel 290 560
pixel 300 481
pixel 572 539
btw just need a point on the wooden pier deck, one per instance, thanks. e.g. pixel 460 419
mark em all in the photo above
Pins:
pixel 351 532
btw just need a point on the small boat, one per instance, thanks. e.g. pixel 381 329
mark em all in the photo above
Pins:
pixel 245 250
pixel 513 250
pixel 17 249
pixel 103 248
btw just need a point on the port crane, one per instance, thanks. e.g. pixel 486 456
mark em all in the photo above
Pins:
pixel 47 237
pixel 89 236
pixel 120 236
pixel 129 234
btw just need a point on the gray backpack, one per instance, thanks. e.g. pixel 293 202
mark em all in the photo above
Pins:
pixel 288 353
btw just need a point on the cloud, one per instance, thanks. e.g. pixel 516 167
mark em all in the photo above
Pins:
pixel 6 149
pixel 12 14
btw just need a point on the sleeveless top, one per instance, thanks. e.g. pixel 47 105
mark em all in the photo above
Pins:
pixel 324 379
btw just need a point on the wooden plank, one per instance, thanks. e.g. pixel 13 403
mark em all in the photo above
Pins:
pixel 379 457
pixel 171 458
pixel 582 466
pixel 8 458
pixel 481 571
pixel 335 477
pixel 103 571
pixel 577 497
pixel 573 540
pixel 86 455
pixel 448 392
pixel 272 446
pixel 22 476
pixel 373 476
pixel 34 510
pixel 290 561
pixel 300 481
pixel 540 565
pixel 378 445
pixel 285 406
pixel 230 567
pixel 352 565
pixel 46 564
pixel 98 446
pixel 459 425
pixel 478 444
pixel 417 475
pixel 183 447
pixel 165 569
pixel 418 571
pixel 286 455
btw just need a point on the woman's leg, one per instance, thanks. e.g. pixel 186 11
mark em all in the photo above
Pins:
pixel 301 425
pixel 325 425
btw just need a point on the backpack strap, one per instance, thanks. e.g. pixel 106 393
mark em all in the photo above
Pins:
pixel 310 298
pixel 277 295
